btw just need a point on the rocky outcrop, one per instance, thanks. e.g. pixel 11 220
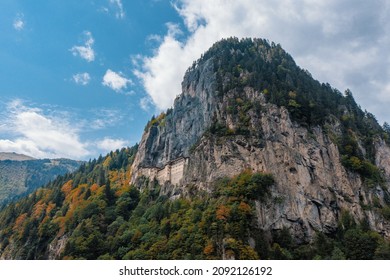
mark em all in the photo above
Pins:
pixel 224 134
pixel 57 247
pixel 382 157
pixel 182 126
pixel 312 186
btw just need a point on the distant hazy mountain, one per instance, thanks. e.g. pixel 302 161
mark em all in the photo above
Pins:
pixel 21 174
pixel 14 156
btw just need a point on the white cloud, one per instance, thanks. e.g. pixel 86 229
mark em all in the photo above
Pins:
pixel 118 6
pixel 52 133
pixel 104 118
pixel 115 81
pixel 341 42
pixel 109 144
pixel 85 51
pixel 37 134
pixel 81 78
pixel 162 73
pixel 146 103
pixel 154 38
pixel 19 22
pixel 130 93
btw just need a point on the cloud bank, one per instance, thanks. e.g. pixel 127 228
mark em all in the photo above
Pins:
pixel 344 43
pixel 38 133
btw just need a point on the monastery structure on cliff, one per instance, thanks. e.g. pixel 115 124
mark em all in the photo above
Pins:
pixel 172 172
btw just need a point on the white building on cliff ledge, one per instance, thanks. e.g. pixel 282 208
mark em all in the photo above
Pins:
pixel 172 172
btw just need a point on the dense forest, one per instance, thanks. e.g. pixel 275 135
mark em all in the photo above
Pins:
pixel 19 178
pixel 103 217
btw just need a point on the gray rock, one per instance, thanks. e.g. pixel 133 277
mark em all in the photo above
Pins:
pixel 306 165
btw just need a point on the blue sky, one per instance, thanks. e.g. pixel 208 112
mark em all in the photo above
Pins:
pixel 81 78
pixel 54 57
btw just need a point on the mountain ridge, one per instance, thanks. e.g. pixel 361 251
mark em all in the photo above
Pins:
pixel 21 175
pixel 14 156
pixel 229 119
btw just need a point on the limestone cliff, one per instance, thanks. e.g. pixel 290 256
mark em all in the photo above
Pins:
pixel 246 105
pixel 181 127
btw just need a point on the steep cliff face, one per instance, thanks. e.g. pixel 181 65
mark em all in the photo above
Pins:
pixel 226 121
pixel 312 186
pixel 178 129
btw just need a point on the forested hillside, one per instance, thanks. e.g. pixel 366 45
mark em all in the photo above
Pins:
pixel 95 214
pixel 20 175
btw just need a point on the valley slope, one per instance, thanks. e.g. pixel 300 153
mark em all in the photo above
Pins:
pixel 21 175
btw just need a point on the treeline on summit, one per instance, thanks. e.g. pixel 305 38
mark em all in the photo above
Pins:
pixel 269 69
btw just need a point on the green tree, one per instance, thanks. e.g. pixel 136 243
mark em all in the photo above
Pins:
pixel 360 245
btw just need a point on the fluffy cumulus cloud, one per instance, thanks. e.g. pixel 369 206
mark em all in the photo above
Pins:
pixel 115 81
pixel 51 133
pixel 344 43
pixel 86 50
pixel 81 78
pixel 34 133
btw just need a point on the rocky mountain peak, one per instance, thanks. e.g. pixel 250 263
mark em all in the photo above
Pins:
pixel 173 133
pixel 246 105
